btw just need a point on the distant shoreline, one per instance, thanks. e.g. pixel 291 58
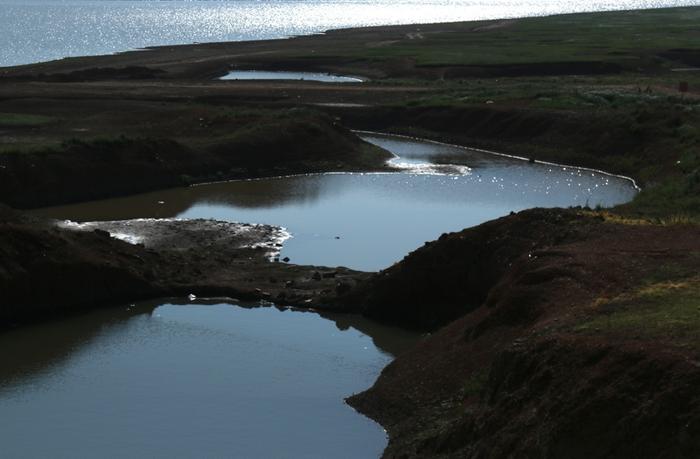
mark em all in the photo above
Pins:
pixel 308 33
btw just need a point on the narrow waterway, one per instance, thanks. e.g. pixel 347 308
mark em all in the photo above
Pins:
pixel 221 380
pixel 369 221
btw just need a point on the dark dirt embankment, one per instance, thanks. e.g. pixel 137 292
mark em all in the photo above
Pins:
pixel 455 274
pixel 48 272
pixel 80 170
pixel 585 343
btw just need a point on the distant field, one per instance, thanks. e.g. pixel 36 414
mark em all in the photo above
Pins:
pixel 630 39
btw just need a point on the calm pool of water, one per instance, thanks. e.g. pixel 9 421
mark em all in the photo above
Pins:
pixel 169 380
pixel 369 221
pixel 39 30
pixel 310 76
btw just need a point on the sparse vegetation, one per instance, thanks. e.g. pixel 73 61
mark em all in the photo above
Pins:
pixel 16 120
pixel 667 310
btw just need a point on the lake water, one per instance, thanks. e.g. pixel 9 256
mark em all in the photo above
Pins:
pixel 39 30
pixel 369 221
pixel 181 380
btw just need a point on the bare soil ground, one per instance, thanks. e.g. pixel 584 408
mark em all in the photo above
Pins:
pixel 585 342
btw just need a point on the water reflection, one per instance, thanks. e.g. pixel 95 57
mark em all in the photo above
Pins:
pixel 368 221
pixel 174 380
pixel 31 351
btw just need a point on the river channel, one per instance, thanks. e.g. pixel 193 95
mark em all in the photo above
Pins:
pixel 174 378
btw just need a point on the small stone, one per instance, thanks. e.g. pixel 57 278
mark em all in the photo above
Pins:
pixel 102 233
pixel 285 259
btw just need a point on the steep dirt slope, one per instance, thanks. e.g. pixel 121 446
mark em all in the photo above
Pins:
pixel 585 345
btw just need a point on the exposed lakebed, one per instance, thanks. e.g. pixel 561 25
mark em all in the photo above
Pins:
pixel 368 221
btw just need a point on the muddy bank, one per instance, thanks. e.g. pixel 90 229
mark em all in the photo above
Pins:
pixel 227 147
pixel 544 295
pixel 48 272
pixel 185 235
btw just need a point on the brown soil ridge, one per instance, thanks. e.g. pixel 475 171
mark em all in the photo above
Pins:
pixel 571 353
pixel 456 273
pixel 82 170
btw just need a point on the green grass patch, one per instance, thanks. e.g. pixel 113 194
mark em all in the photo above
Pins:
pixel 675 200
pixel 668 309
pixel 23 120
pixel 630 39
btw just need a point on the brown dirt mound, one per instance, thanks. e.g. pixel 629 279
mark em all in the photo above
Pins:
pixel 553 363
pixel 454 274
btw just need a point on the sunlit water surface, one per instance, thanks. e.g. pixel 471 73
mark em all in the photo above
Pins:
pixel 39 30
pixel 369 221
pixel 172 381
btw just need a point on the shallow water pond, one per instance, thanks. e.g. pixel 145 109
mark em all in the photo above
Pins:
pixel 369 221
pixel 205 380
pixel 308 76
